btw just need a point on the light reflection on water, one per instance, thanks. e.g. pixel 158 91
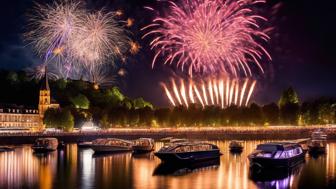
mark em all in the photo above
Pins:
pixel 79 168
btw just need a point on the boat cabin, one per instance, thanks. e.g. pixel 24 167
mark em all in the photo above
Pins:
pixel 46 142
pixel 111 142
pixel 278 150
pixel 188 147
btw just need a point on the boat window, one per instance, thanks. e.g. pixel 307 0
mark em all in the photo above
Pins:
pixel 265 155
pixel 277 155
pixel 269 148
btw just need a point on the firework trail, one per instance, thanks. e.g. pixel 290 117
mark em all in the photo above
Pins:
pixel 228 92
pixel 207 36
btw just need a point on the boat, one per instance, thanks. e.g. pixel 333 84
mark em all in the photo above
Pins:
pixel 42 145
pixel 236 146
pixel 183 169
pixel 143 145
pixel 178 140
pixel 61 145
pixel 111 145
pixel 6 149
pixel 84 144
pixel 276 155
pixel 188 152
pixel 318 143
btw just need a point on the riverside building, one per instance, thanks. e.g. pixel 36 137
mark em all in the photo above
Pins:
pixel 19 118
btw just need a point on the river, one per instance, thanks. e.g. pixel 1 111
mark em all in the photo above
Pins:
pixel 79 168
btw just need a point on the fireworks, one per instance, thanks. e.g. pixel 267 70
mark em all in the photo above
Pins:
pixel 211 92
pixel 72 40
pixel 209 36
pixel 99 38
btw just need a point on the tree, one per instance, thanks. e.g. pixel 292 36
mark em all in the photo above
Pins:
pixel 271 113
pixel 80 101
pixel 141 103
pixel 289 107
pixel 289 96
pixel 326 113
pixel 59 118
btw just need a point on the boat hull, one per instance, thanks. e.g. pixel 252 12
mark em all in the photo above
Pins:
pixel 43 149
pixel 236 149
pixel 109 149
pixel 188 157
pixel 84 145
pixel 142 149
pixel 316 149
pixel 259 162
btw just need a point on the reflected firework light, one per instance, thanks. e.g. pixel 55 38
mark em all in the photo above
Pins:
pixel 209 36
pixel 222 92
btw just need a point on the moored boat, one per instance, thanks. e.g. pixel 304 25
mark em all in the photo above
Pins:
pixel 276 155
pixel 6 149
pixel 318 143
pixel 143 145
pixel 236 146
pixel 188 152
pixel 42 145
pixel 111 145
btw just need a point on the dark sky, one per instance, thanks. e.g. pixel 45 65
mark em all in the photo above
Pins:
pixel 302 47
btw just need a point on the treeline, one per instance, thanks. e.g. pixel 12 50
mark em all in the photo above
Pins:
pixel 287 111
pixel 81 101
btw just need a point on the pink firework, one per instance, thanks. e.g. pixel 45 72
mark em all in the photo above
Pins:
pixel 209 36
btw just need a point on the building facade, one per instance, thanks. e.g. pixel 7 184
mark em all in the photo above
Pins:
pixel 19 118
pixel 13 117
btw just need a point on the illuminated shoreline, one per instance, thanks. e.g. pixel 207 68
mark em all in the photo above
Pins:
pixel 205 133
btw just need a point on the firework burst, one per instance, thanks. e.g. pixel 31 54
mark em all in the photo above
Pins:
pixel 100 37
pixel 209 36
pixel 74 41
pixel 52 27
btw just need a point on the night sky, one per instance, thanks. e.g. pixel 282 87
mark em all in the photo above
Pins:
pixel 302 47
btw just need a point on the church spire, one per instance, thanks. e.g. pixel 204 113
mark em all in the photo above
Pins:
pixel 45 83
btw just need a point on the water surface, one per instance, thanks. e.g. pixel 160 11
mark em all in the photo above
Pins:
pixel 79 168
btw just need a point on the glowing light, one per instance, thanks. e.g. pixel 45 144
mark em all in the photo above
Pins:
pixel 226 96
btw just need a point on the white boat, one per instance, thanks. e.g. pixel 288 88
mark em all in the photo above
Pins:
pixel 143 145
pixel 318 143
pixel 111 145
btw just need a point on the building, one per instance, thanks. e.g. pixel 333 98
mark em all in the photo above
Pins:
pixel 18 118
pixel 45 101
pixel 13 117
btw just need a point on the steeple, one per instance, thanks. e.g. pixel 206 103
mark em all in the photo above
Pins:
pixel 45 83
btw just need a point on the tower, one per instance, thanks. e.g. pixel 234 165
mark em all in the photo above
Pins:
pixel 44 98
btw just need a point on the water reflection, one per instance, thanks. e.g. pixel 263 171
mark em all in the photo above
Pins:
pixel 78 168
pixel 183 169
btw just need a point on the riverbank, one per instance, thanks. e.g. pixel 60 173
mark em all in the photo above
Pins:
pixel 208 133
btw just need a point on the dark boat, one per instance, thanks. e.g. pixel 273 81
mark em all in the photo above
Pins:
pixel 6 149
pixel 188 152
pixel 182 169
pixel 84 144
pixel 276 155
pixel 42 145
pixel 236 146
pixel 143 145
pixel 61 145
pixel 111 145
pixel 318 143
